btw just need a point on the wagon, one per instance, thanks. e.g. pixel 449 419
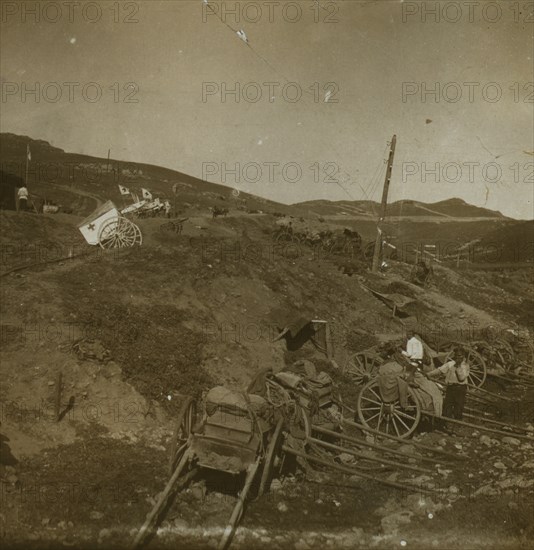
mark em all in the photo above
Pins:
pixel 237 434
pixel 295 413
pixel 109 229
pixel 363 366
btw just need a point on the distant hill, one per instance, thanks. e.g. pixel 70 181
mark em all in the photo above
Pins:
pixel 455 208
pixel 66 177
pixel 81 182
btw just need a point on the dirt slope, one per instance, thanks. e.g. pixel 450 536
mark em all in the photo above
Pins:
pixel 177 316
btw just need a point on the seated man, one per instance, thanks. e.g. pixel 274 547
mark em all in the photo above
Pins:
pixel 414 349
pixel 421 273
pixel 427 391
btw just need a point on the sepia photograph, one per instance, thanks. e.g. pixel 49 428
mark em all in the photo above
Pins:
pixel 267 274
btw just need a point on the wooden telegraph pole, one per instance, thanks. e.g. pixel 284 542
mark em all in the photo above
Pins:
pixel 378 244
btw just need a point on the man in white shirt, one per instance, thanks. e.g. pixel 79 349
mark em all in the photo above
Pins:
pixel 456 374
pixel 414 349
pixel 22 195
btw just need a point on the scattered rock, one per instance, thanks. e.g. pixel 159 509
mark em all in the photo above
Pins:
pixel 346 458
pixel 508 462
pixel 486 490
pixel 282 507
pixel 104 533
pixel 499 466
pixel 485 440
pixel 96 515
pixel 301 545
pixel 390 523
pixel 511 440
pixel 409 449
pixel 180 523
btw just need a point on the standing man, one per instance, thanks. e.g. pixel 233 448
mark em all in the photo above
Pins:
pixel 22 195
pixel 414 349
pixel 456 374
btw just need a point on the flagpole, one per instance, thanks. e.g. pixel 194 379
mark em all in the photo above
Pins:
pixel 27 162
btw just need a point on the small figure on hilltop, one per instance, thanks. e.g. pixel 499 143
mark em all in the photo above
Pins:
pixel 167 209
pixel 422 273
pixel 22 196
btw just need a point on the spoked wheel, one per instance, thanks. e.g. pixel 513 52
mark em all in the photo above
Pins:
pixel 363 367
pixel 477 364
pixel 369 250
pixel 184 427
pixel 351 249
pixel 507 353
pixel 524 350
pixel 286 238
pixel 119 233
pixel 388 418
pixel 270 458
pixel 493 358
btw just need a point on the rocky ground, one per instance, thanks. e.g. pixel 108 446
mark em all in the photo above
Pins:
pixel 132 333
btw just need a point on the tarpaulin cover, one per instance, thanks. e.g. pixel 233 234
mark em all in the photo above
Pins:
pixel 428 394
pixel 390 384
pixel 402 303
pixel 224 399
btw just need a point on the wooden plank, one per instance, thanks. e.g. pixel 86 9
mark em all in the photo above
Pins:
pixel 366 457
pixel 363 443
pixel 162 499
pixel 238 508
pixel 351 471
pixel 479 427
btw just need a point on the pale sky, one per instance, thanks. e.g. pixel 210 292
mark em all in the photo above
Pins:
pixel 368 52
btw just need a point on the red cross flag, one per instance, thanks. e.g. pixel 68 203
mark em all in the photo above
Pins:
pixel 124 190
pixel 146 194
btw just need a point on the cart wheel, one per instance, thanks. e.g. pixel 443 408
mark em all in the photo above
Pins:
pixel 389 418
pixel 506 350
pixel 493 358
pixel 119 233
pixel 184 428
pixel 286 238
pixel 369 250
pixel 477 365
pixel 363 367
pixel 270 456
pixel 524 352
